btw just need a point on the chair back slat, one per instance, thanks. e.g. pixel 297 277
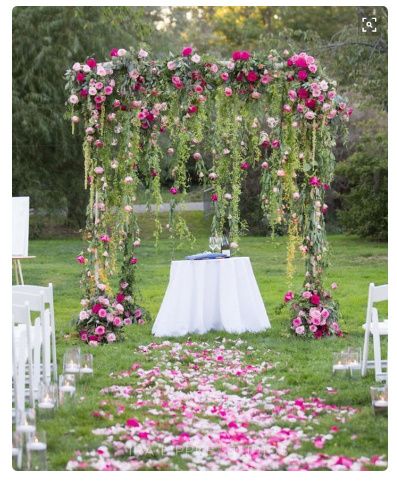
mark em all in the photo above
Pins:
pixel 379 293
pixel 46 291
pixel 36 301
pixel 21 313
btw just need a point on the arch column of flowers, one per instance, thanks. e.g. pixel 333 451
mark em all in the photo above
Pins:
pixel 212 120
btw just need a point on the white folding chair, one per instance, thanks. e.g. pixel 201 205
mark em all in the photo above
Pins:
pixel 41 369
pixel 373 327
pixel 22 354
pixel 48 294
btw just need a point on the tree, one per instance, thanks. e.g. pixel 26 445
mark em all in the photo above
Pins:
pixel 47 159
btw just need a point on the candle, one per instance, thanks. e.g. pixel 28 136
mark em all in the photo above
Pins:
pixel 46 404
pixel 67 388
pixel 72 367
pixel 86 370
pixel 26 428
pixel 380 403
pixel 36 446
pixel 340 367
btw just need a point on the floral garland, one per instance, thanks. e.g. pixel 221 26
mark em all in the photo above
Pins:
pixel 280 111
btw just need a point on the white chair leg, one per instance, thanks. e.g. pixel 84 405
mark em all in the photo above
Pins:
pixel 365 352
pixel 377 353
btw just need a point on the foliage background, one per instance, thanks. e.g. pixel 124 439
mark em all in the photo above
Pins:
pixel 48 161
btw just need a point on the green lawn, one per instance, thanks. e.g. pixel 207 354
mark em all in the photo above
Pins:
pixel 303 366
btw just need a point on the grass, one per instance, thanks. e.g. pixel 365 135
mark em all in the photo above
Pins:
pixel 304 365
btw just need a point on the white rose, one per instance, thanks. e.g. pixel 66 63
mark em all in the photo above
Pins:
pixel 121 52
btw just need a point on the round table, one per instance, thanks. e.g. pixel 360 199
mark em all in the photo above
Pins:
pixel 214 294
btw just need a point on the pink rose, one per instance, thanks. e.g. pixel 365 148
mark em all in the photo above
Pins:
pixel 228 92
pixel 300 330
pixel 325 314
pixel 111 337
pixel 224 76
pixel 297 322
pixel 133 260
pixel 288 296
pixel 306 294
pixel 102 313
pixel 302 75
pixel 187 51
pixel 252 76
pixel 173 190
pixel 100 330
pixel 117 321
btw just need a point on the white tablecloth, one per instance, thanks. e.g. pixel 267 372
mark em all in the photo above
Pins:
pixel 204 295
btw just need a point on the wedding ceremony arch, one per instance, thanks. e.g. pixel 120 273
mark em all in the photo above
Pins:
pixel 278 111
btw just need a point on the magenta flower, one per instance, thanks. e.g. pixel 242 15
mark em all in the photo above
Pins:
pixel 315 181
pixel 214 198
pixel 187 51
pixel 133 260
pixel 173 190
pixel 114 52
pixel 80 259
pixel 100 330
pixel 288 296
pixel 105 238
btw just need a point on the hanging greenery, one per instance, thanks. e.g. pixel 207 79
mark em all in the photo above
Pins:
pixel 279 110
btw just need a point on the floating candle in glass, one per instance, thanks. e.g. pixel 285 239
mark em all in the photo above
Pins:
pixel 47 399
pixel 379 397
pixel 36 449
pixel 67 387
pixel 26 421
pixel 86 366
pixel 340 364
pixel 71 361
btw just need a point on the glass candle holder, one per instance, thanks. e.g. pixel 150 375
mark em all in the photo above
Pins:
pixel 48 395
pixel 353 359
pixel 26 421
pixel 379 398
pixel 87 364
pixel 17 450
pixel 67 387
pixel 71 361
pixel 340 363
pixel 36 451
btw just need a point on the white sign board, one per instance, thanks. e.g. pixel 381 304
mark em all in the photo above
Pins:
pixel 20 226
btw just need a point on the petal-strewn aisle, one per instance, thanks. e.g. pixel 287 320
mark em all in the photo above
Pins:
pixel 205 407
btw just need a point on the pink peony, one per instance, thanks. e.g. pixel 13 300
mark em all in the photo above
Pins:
pixel 297 322
pixel 117 321
pixel 111 337
pixel 252 76
pixel 315 299
pixel 306 294
pixel 300 330
pixel 127 321
pixel 276 144
pixel 83 336
pixel 288 296
pixel 228 92
pixel 80 259
pixel 187 51
pixel 325 314
pixel 91 62
pixel 102 313
pixel 302 75
pixel 313 328
pixel 224 76
pixel 100 330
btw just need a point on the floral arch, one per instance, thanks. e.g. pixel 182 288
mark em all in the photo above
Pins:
pixel 278 110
